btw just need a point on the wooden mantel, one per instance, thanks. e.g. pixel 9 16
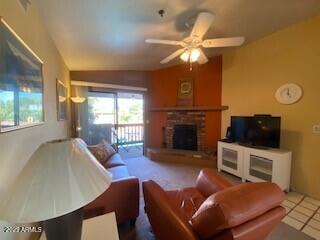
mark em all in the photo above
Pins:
pixel 191 108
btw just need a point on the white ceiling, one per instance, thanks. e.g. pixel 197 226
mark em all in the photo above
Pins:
pixel 110 34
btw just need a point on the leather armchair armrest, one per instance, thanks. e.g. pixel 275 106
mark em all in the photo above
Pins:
pixel 210 182
pixel 235 206
pixel 166 219
pixel 122 197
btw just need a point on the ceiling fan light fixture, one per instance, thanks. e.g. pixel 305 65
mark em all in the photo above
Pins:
pixel 195 54
pixel 191 55
pixel 185 56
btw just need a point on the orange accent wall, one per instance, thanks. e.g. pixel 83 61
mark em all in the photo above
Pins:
pixel 163 90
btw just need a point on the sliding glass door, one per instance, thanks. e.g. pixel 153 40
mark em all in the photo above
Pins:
pixel 118 118
pixel 130 126
pixel 102 117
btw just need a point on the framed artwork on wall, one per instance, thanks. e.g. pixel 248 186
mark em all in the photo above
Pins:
pixel 62 96
pixel 185 92
pixel 21 82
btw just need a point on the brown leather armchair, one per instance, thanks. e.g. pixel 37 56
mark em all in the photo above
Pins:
pixel 214 209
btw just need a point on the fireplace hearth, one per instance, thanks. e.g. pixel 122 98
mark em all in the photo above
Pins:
pixel 185 137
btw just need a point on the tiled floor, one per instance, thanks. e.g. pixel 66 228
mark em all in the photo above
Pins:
pixel 303 213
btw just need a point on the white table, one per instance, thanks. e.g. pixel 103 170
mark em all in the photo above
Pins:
pixel 98 228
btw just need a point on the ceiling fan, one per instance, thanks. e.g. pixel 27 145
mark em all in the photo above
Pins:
pixel 191 46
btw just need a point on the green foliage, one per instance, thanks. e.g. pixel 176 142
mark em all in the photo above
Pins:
pixel 30 109
pixel 130 110
pixel 6 111
pixel 132 114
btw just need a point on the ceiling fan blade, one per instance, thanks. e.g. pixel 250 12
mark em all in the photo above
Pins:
pixel 202 24
pixel 166 42
pixel 202 58
pixel 223 42
pixel 173 56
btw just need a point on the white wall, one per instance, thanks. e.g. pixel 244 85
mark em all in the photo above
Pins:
pixel 16 147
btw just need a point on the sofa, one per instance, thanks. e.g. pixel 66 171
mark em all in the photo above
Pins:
pixel 122 197
pixel 214 209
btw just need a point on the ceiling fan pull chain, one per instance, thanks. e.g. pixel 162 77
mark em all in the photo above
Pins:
pixel 190 65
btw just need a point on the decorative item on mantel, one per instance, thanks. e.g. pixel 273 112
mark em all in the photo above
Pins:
pixel 185 92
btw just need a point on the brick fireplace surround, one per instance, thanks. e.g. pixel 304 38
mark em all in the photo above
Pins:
pixel 186 117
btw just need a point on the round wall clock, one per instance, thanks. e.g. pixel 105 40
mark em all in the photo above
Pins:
pixel 289 93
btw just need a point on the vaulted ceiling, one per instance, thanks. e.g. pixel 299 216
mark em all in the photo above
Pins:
pixel 110 34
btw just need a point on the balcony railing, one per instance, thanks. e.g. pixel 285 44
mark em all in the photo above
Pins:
pixel 126 134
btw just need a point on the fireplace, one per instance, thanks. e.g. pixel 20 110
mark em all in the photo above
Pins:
pixel 185 137
pixel 189 124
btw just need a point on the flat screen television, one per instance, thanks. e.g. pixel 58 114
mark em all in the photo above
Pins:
pixel 257 131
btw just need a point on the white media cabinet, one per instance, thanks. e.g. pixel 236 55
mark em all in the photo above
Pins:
pixel 255 165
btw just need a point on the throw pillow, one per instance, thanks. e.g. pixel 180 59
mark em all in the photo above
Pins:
pixel 102 151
